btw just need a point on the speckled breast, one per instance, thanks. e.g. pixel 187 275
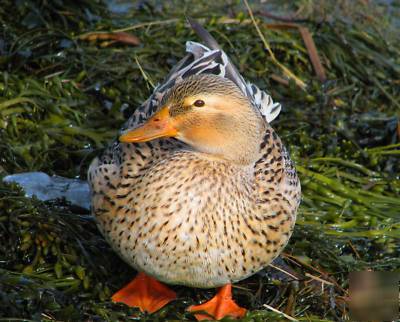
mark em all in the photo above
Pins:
pixel 193 221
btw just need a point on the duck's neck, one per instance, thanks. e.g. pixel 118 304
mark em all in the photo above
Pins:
pixel 242 146
pixel 243 152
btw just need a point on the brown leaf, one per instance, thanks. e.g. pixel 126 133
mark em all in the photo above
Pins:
pixel 313 53
pixel 280 80
pixel 122 37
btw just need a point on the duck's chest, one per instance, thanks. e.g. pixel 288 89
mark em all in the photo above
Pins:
pixel 183 214
pixel 180 195
pixel 190 220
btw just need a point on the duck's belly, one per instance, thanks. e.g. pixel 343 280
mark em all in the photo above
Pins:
pixel 191 226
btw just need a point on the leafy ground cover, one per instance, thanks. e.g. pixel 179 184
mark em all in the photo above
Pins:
pixel 72 72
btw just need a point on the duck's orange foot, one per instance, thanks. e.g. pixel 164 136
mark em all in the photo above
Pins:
pixel 146 293
pixel 219 306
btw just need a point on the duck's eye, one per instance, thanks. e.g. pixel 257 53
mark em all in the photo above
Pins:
pixel 199 103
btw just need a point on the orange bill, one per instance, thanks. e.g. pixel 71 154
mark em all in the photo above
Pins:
pixel 158 126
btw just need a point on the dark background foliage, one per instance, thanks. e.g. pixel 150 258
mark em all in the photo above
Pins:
pixel 65 91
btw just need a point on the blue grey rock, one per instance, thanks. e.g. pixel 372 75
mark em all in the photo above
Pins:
pixel 46 187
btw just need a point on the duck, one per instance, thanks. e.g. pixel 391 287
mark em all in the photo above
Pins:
pixel 198 190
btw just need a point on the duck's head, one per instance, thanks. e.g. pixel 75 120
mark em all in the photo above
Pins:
pixel 209 113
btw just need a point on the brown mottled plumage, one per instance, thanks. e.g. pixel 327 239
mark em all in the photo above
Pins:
pixel 193 218
pixel 208 209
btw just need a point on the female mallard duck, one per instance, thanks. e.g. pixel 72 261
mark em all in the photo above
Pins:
pixel 203 193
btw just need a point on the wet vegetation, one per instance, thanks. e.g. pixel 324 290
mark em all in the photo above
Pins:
pixel 72 72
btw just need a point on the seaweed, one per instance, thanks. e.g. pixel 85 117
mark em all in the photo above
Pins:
pixel 72 72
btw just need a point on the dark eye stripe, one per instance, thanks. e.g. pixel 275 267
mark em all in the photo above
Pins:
pixel 199 103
